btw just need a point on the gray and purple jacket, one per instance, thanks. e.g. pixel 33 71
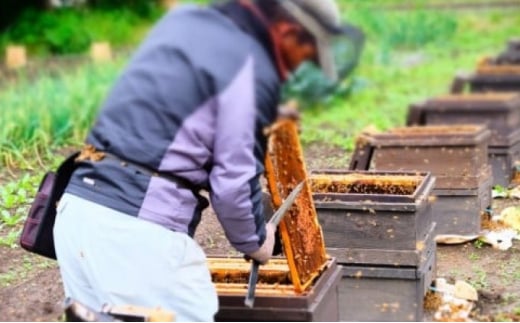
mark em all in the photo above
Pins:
pixel 193 102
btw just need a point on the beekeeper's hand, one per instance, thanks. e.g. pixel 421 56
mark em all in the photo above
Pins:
pixel 289 110
pixel 264 253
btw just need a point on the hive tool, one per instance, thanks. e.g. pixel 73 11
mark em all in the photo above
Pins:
pixel 275 219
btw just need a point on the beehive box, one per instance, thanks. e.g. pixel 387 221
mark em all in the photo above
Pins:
pixel 385 293
pixel 458 211
pixel 460 194
pixel 501 74
pixel 494 82
pixel 276 299
pixel 456 155
pixel 500 112
pixel 493 77
pixel 504 159
pixel 380 218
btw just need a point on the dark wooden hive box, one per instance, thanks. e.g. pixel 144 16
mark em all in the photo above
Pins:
pixel 504 158
pixel 382 218
pixel 459 211
pixel 276 299
pixel 455 154
pixel 385 293
pixel 500 112
pixel 490 77
pixel 459 197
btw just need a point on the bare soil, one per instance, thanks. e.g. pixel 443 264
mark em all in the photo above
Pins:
pixel 30 286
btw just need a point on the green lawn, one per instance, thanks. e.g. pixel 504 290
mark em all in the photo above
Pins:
pixel 409 57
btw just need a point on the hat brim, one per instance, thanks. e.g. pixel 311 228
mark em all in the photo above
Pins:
pixel 322 32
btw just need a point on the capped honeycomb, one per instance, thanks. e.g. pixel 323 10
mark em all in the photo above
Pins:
pixel 300 231
pixel 364 184
pixel 231 275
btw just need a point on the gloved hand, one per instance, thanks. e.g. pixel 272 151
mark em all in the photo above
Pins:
pixel 264 253
pixel 289 110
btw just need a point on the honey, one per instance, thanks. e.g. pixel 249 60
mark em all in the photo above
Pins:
pixel 231 275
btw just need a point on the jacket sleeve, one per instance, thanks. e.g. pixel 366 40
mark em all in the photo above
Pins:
pixel 235 177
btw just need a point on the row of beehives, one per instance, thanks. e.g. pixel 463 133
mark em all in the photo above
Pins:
pixel 469 142
pixel 433 177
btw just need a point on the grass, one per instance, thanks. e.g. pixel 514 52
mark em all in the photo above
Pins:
pixel 399 67
pixel 473 256
pixel 51 112
pixel 480 280
pixel 25 267
pixel 510 272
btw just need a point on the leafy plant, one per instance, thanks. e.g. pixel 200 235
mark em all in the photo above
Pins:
pixel 500 191
pixel 72 30
pixel 11 239
pixel 480 281
pixel 474 256
pixel 11 218
pixel 57 32
pixel 145 8
pixel 478 243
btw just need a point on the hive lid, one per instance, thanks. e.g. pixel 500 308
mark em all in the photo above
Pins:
pixel 511 139
pixel 300 230
pixel 473 101
pixel 429 135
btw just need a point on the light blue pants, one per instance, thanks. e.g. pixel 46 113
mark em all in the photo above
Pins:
pixel 107 257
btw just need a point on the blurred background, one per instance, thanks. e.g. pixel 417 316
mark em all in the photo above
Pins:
pixel 401 51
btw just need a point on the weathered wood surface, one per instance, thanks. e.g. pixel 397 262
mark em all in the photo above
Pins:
pixel 459 211
pixel 500 112
pixel 503 161
pixel 379 294
pixel 456 155
pixel 376 228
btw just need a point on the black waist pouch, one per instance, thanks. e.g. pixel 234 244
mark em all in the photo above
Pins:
pixel 37 236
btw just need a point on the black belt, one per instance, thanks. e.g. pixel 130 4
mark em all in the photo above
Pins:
pixel 152 173
pixel 184 183
pixel 89 153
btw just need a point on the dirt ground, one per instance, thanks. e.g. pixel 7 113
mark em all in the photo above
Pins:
pixel 34 291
